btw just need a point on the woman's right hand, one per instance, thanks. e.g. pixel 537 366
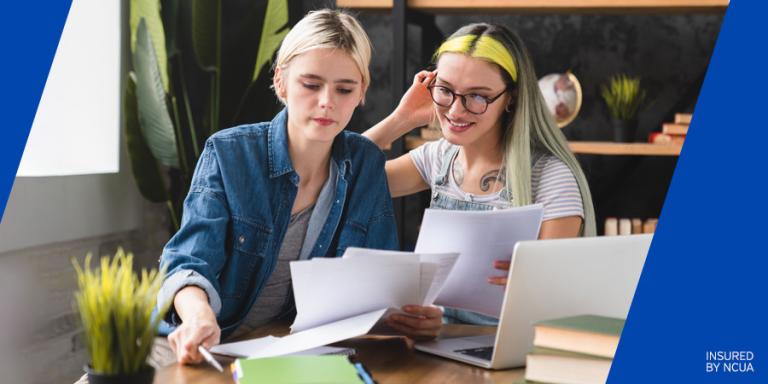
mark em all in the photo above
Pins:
pixel 415 106
pixel 198 327
pixel 199 330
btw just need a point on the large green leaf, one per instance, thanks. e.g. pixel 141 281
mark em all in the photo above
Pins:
pixel 275 29
pixel 145 169
pixel 206 40
pixel 149 10
pixel 169 12
pixel 206 31
pixel 155 120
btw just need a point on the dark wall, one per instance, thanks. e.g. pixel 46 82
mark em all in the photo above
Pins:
pixel 670 53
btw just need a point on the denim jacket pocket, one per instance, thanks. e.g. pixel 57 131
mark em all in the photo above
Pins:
pixel 249 244
pixel 353 234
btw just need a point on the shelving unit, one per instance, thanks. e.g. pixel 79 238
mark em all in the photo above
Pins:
pixel 596 147
pixel 541 5
pixel 423 13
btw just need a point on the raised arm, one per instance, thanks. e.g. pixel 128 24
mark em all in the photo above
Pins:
pixel 414 110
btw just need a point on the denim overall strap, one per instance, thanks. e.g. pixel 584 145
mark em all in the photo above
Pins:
pixel 442 175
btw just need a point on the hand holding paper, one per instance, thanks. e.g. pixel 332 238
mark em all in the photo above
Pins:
pixel 481 237
pixel 338 299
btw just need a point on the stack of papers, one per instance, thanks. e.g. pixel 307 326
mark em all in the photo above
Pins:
pixel 341 298
pixel 365 280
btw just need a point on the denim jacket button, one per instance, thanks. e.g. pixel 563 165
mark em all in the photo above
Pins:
pixel 241 239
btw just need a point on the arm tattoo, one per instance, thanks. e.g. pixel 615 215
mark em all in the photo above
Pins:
pixel 487 181
pixel 458 172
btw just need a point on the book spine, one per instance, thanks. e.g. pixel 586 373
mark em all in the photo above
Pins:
pixel 649 226
pixel 674 129
pixel 625 227
pixel 683 118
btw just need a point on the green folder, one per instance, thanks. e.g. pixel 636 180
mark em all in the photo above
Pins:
pixel 296 369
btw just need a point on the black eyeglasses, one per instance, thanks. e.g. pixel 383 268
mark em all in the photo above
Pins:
pixel 475 104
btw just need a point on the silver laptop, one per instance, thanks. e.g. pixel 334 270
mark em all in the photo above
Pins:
pixel 550 279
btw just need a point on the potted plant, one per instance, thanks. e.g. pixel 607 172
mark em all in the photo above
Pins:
pixel 623 97
pixel 117 310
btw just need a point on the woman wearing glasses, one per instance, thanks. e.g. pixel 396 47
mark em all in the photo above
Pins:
pixel 500 147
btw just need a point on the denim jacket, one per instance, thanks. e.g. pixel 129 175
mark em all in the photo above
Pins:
pixel 239 205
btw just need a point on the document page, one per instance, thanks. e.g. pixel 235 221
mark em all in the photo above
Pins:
pixel 301 341
pixel 341 298
pixel 480 237
pixel 434 267
pixel 328 290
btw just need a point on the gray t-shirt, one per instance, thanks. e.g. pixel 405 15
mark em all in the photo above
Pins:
pixel 552 182
pixel 275 299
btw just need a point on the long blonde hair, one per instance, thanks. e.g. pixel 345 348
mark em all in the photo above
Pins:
pixel 529 127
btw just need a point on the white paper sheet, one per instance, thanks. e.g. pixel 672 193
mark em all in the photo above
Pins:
pixel 434 267
pixel 244 348
pixel 301 341
pixel 328 290
pixel 481 237
pixel 341 298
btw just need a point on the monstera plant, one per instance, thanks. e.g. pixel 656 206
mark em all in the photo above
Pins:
pixel 197 66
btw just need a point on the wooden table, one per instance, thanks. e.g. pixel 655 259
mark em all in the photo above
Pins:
pixel 390 360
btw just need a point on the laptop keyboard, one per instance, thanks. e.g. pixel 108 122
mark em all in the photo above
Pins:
pixel 484 353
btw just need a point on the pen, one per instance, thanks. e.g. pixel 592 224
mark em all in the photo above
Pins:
pixel 361 371
pixel 209 358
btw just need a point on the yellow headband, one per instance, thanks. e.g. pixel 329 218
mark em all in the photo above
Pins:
pixel 486 48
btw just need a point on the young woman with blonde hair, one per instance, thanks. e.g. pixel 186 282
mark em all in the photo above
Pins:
pixel 500 148
pixel 265 194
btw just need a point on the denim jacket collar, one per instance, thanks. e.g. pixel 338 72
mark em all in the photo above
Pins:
pixel 279 158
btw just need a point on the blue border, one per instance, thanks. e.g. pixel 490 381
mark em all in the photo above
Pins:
pixel 704 284
pixel 30 31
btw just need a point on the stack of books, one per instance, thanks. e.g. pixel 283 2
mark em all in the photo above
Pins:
pixel 578 349
pixel 615 226
pixel 672 133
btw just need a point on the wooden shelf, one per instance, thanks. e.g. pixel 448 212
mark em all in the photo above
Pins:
pixel 638 149
pixel 540 5
pixel 596 147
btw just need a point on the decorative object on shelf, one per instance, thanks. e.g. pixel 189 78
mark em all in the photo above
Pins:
pixel 562 94
pixel 117 310
pixel 623 96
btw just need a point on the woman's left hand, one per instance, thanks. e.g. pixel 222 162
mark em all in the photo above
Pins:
pixel 420 323
pixel 502 265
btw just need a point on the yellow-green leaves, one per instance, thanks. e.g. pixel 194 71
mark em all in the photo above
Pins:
pixel 116 309
pixel 623 96
pixel 272 34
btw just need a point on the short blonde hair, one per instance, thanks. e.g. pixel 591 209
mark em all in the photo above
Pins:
pixel 328 28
